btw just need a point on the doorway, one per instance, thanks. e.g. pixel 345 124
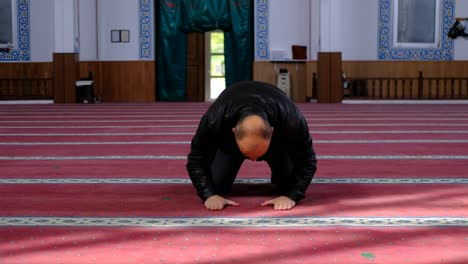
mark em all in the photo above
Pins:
pixel 215 65
pixel 182 70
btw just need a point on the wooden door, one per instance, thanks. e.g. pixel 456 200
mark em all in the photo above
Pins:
pixel 195 67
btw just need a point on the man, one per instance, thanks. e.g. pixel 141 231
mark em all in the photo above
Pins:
pixel 257 121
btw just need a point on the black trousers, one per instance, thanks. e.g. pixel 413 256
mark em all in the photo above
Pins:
pixel 225 168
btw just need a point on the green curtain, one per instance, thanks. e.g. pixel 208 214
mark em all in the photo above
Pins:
pixel 171 52
pixel 206 15
pixel 177 17
pixel 238 43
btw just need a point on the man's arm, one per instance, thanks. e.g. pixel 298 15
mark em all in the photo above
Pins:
pixel 305 161
pixel 199 160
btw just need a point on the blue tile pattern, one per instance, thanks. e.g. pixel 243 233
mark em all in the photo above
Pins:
pixel 146 32
pixel 23 50
pixel 262 39
pixel 386 51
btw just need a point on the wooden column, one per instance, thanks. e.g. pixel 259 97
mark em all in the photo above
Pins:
pixel 66 73
pixel 330 83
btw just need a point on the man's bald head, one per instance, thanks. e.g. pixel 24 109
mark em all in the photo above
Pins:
pixel 253 136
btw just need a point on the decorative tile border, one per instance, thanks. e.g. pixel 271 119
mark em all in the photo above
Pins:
pixel 146 44
pixel 262 38
pixel 388 52
pixel 22 53
pixel 237 181
pixel 168 222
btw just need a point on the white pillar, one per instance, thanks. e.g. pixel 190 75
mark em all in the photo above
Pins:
pixel 327 25
pixel 66 26
pixel 314 29
pixel 88 30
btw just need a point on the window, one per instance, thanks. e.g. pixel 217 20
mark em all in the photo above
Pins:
pixel 416 23
pixel 216 81
pixel 8 24
pixel 389 47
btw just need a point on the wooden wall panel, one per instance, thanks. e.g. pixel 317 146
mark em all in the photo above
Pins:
pixel 59 79
pixel 359 69
pixel 116 81
pixel 26 70
pixel 66 72
pixel 14 87
pixel 265 71
pixel 330 81
pixel 324 77
pixel 268 72
pixel 131 81
pixel 122 81
pixel 336 87
pixel 134 81
pixel 410 69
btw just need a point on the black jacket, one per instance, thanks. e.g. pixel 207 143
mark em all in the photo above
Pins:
pixel 290 134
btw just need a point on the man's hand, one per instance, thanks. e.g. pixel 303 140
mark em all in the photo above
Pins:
pixel 281 203
pixel 217 202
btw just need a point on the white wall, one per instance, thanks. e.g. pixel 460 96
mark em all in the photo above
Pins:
pixel 289 24
pixel 42 31
pixel 52 28
pixel 65 23
pixel 353 29
pixel 88 30
pixel 98 18
pixel 325 25
pixel 314 45
pixel 94 36
pixel 117 15
pixel 349 26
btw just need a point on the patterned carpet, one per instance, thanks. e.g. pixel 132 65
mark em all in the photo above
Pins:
pixel 106 183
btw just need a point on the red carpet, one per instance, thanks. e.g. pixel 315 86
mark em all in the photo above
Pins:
pixel 106 183
pixel 177 200
pixel 446 168
pixel 227 245
pixel 182 149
